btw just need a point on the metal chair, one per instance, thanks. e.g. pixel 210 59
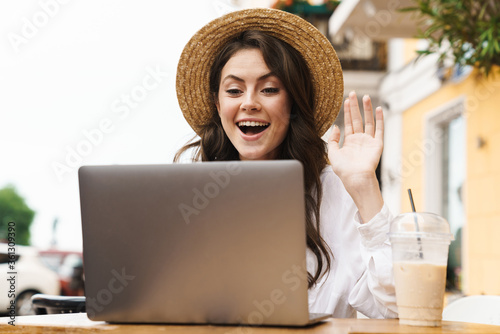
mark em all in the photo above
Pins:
pixel 49 304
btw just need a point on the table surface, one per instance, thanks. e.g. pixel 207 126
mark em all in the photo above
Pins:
pixel 79 323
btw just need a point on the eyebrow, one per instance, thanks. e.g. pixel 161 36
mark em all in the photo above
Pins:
pixel 262 77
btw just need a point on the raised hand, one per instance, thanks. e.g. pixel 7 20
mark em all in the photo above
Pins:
pixel 356 161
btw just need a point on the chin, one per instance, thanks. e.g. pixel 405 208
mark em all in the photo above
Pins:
pixel 251 157
pixel 256 155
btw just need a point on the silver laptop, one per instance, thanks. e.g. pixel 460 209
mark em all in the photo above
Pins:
pixel 202 243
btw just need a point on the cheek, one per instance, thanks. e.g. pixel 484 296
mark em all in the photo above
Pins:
pixel 226 112
pixel 284 113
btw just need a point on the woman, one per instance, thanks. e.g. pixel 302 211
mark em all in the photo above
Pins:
pixel 264 84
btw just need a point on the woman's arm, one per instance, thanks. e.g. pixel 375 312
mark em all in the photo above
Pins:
pixel 356 161
pixel 374 293
pixel 361 275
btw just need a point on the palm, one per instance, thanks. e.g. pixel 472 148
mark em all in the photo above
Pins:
pixel 359 154
pixel 358 158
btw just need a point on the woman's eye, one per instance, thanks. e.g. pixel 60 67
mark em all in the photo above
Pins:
pixel 233 91
pixel 271 90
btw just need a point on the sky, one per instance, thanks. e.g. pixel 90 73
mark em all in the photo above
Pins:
pixel 88 83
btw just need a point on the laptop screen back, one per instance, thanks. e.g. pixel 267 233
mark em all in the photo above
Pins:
pixel 218 242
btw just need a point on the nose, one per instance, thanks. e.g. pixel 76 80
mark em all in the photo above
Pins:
pixel 250 102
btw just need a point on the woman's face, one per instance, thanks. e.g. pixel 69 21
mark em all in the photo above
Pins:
pixel 253 105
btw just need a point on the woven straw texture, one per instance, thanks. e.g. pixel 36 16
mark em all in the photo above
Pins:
pixel 192 83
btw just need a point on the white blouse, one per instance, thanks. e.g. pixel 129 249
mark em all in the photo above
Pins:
pixel 360 276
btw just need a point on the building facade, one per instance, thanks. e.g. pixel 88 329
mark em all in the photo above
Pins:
pixel 442 139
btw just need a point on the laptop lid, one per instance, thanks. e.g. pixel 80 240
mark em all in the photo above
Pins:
pixel 217 242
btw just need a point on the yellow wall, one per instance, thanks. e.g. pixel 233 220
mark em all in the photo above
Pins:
pixel 481 233
pixel 409 53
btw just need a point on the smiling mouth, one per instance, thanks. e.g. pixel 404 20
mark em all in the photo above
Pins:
pixel 252 128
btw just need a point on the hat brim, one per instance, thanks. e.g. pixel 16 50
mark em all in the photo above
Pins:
pixel 192 83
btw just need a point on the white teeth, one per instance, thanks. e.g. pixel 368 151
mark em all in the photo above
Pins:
pixel 252 123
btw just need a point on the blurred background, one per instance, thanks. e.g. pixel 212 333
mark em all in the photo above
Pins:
pixel 93 82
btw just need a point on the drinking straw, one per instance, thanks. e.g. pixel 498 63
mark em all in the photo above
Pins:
pixel 420 253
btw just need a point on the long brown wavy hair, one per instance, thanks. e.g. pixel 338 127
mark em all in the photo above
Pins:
pixel 302 141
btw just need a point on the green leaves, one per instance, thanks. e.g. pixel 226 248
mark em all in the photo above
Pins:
pixel 13 208
pixel 470 27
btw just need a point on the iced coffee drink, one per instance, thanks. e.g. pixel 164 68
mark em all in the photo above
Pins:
pixel 420 243
pixel 420 293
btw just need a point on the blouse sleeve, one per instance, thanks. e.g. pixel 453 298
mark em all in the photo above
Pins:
pixel 374 293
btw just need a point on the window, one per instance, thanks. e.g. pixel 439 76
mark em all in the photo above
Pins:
pixel 445 176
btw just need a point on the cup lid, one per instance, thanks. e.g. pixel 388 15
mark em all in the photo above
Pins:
pixel 425 224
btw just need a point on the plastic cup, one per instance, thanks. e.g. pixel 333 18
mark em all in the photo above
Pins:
pixel 420 243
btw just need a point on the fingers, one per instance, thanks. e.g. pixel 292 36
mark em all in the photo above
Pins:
pixel 347 118
pixel 368 109
pixel 353 123
pixel 379 130
pixel 333 139
pixel 357 121
pixel 334 135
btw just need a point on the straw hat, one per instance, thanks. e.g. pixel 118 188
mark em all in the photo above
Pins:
pixel 192 84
